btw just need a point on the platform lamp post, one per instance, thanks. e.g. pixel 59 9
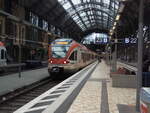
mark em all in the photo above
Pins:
pixel 140 54
pixel 20 52
pixel 114 54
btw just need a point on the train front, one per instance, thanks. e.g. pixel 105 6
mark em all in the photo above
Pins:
pixel 3 59
pixel 58 56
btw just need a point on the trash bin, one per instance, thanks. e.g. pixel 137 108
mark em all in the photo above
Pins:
pixel 145 100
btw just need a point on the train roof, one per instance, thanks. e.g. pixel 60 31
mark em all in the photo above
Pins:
pixel 62 41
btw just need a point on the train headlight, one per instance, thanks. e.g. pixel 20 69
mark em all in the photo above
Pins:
pixel 50 61
pixel 66 62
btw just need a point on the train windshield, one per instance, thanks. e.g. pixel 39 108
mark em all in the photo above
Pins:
pixel 59 51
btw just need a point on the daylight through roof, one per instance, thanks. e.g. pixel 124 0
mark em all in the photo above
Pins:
pixel 91 14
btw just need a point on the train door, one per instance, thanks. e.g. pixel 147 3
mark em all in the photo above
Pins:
pixel 73 57
pixel 2 56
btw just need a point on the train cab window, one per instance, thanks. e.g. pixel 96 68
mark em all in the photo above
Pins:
pixel 2 54
pixel 73 56
pixel 59 51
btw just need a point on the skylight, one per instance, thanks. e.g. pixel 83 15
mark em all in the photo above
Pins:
pixel 87 13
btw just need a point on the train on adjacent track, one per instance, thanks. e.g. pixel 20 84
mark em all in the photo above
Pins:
pixel 3 60
pixel 68 56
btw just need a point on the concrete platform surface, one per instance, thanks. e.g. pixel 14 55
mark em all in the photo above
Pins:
pixel 98 96
pixel 11 82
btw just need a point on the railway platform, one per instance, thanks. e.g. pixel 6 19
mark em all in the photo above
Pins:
pixel 12 82
pixel 98 95
pixel 95 95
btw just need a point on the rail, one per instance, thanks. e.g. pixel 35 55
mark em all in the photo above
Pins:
pixel 59 98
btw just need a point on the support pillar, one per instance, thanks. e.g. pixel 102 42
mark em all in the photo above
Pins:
pixel 140 55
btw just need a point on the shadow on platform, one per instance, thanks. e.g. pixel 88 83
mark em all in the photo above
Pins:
pixel 126 108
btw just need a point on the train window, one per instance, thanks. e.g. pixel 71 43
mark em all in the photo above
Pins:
pixel 59 51
pixel 2 54
pixel 84 57
pixel 73 56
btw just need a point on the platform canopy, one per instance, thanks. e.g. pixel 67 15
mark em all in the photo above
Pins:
pixel 91 14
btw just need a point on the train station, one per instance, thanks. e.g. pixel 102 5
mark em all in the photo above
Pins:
pixel 74 56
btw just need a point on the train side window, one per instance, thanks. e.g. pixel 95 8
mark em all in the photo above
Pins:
pixel 73 56
pixel 2 54
pixel 84 57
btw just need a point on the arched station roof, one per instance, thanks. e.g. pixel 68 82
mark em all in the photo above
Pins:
pixel 90 14
pixel 76 16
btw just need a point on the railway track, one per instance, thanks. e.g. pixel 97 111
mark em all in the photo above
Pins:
pixel 12 101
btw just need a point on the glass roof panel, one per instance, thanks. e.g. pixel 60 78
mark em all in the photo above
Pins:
pixel 75 18
pixel 75 2
pixel 106 1
pixel 85 12
pixel 85 19
pixel 67 5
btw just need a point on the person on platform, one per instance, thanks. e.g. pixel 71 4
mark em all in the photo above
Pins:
pixel 146 71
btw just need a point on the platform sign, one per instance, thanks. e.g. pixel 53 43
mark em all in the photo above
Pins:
pixel 127 40
pixel 105 40
pixel 133 40
pixel 101 41
pixel 130 40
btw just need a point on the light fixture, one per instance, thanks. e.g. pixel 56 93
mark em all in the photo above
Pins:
pixel 118 17
pixel 111 33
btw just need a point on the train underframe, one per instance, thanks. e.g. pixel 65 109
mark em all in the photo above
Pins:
pixel 61 72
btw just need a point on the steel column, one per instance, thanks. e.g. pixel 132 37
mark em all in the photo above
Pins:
pixel 140 55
